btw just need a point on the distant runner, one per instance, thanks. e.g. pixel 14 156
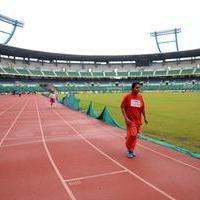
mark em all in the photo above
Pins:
pixel 132 107
pixel 52 97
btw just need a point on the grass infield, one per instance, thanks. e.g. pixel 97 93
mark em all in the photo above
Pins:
pixel 173 117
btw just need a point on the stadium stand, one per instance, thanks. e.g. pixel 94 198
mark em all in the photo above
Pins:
pixel 98 73
pixel 60 73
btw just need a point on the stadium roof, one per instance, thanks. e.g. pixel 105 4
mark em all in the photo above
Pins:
pixel 142 59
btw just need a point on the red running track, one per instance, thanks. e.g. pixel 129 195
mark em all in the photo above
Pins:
pixel 59 154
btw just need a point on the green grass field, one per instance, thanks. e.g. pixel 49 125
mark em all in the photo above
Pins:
pixel 173 117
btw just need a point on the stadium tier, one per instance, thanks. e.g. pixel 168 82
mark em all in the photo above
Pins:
pixel 145 87
pixel 74 73
pixel 86 74
pixel 20 89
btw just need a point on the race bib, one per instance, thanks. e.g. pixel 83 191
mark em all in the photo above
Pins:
pixel 135 103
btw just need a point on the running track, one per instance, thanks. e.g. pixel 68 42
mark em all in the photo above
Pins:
pixel 61 154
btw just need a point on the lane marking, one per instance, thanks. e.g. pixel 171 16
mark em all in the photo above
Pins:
pixel 1 113
pixel 16 118
pixel 75 183
pixel 154 151
pixel 67 189
pixel 23 137
pixel 169 157
pixel 96 176
pixel 20 143
pixel 38 140
pixel 161 154
pixel 116 162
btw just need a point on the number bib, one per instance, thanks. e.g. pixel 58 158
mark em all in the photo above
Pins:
pixel 135 103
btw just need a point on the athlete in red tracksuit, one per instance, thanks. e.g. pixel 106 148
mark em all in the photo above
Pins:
pixel 132 107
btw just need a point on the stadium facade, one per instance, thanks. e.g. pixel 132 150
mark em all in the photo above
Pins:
pixel 24 68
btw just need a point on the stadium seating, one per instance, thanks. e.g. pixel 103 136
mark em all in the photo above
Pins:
pixel 197 71
pixel 1 70
pixel 147 73
pixel 109 87
pixel 161 73
pixel 60 73
pixel 174 72
pixel 110 74
pixel 20 89
pixel 135 74
pixel 10 70
pixel 36 72
pixel 48 73
pixel 23 71
pixel 87 74
pixel 122 74
pixel 187 71
pixel 73 73
pixel 98 74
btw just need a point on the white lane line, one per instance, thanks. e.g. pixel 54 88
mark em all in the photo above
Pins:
pixel 23 137
pixel 1 113
pixel 51 159
pixel 37 140
pixel 156 152
pixel 16 118
pixel 169 157
pixel 117 163
pixel 21 143
pixel 96 176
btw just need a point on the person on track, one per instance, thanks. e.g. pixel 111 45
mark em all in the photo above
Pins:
pixel 132 107
pixel 52 98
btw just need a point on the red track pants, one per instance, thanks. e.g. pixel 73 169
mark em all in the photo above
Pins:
pixel 132 132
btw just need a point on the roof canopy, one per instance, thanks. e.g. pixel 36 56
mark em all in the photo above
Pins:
pixel 142 59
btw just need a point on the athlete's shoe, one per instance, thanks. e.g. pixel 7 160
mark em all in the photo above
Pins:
pixel 131 154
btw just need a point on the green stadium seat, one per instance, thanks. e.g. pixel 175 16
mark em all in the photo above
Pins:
pixel 23 71
pixel 10 70
pixel 197 71
pixel 187 71
pixel 48 73
pixel 60 73
pixel 196 86
pixel 135 74
pixel 124 74
pixel 36 72
pixel 161 73
pixel 1 70
pixel 110 74
pixel 73 73
pixel 174 72
pixel 20 89
pixel 147 73
pixel 86 74
pixel 98 74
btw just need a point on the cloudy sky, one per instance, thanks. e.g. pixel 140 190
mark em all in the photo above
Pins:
pixel 101 27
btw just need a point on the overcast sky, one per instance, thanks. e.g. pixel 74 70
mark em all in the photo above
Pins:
pixel 101 27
